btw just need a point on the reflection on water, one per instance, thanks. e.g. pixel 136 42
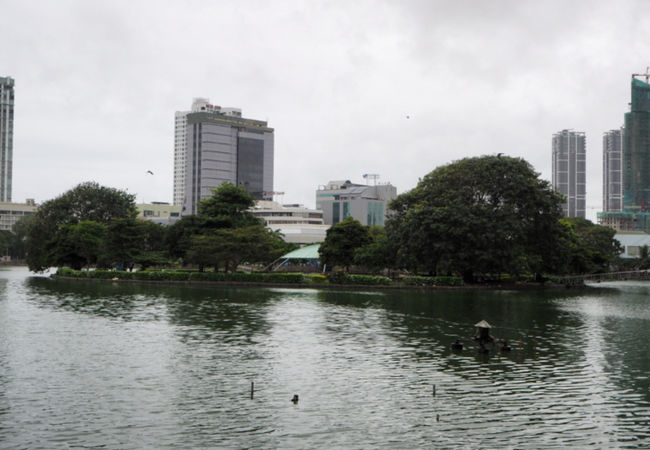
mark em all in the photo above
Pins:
pixel 128 366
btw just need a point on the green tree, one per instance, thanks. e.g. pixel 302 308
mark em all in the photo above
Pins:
pixel 11 245
pixel 153 249
pixel 78 244
pixel 229 247
pixel 227 207
pixel 87 201
pixel 124 243
pixel 593 249
pixel 178 237
pixel 20 230
pixel 378 254
pixel 341 242
pixel 475 216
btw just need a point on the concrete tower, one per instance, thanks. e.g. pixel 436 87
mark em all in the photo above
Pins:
pixel 613 170
pixel 569 171
pixel 6 136
pixel 222 146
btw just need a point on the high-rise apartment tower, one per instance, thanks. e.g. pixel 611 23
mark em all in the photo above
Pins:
pixel 569 170
pixel 636 150
pixel 613 170
pixel 221 146
pixel 6 136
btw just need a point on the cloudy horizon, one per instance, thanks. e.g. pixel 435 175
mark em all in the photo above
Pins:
pixel 395 89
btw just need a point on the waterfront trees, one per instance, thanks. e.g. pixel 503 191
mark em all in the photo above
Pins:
pixel 484 215
pixel 85 202
pixel 591 248
pixel 341 242
pixel 225 233
pixel 77 245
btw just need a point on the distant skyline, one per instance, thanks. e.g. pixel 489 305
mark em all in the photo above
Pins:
pixel 350 88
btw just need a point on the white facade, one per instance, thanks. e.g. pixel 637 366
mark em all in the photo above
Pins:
pixel 10 213
pixel 297 224
pixel 180 145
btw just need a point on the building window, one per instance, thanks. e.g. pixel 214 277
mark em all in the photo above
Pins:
pixel 336 213
pixel 346 210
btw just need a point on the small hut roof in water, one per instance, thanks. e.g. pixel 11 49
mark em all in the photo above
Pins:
pixel 483 324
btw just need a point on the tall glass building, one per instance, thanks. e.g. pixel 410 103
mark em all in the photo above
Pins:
pixel 221 146
pixel 6 136
pixel 636 150
pixel 569 171
pixel 613 170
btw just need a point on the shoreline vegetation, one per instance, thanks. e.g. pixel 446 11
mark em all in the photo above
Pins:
pixel 504 227
pixel 334 280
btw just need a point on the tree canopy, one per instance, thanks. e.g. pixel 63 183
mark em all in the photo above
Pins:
pixel 341 242
pixel 483 215
pixel 85 202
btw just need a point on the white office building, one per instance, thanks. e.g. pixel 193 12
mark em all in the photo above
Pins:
pixel 297 224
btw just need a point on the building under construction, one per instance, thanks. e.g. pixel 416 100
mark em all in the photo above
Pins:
pixel 636 150
pixel 635 213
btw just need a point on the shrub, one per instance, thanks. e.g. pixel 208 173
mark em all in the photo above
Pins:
pixel 317 278
pixel 370 280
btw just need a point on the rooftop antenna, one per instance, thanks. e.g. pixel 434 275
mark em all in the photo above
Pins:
pixel 372 176
pixel 646 75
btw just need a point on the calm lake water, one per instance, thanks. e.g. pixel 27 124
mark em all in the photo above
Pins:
pixel 124 366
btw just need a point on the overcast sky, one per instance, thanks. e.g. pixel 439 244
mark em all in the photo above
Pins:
pixel 395 88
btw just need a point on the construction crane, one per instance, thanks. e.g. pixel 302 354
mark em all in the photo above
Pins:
pixel 371 176
pixel 646 75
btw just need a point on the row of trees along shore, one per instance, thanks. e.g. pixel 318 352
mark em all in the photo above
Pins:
pixel 476 218
pixel 96 226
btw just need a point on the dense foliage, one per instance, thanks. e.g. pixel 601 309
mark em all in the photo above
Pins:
pixel 490 215
pixel 92 225
pixel 341 242
pixel 51 232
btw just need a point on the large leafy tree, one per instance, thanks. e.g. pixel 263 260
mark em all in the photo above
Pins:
pixel 229 247
pixel 79 244
pixel 489 214
pixel 378 253
pixel 85 202
pixel 227 208
pixel 342 241
pixel 592 247
pixel 124 242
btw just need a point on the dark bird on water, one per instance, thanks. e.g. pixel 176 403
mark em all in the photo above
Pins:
pixel 295 399
pixel 149 172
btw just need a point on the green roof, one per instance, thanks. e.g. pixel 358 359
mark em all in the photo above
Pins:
pixel 306 252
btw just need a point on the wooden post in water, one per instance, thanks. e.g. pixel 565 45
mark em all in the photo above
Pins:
pixel 252 389
pixel 434 390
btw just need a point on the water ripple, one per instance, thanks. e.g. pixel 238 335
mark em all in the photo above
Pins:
pixel 121 366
